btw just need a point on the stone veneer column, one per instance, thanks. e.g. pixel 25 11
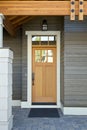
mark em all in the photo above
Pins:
pixel 6 119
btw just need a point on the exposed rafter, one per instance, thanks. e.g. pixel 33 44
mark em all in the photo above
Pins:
pixel 19 19
pixel 9 27
pixel 17 25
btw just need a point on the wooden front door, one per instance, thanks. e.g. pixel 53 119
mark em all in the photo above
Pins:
pixel 44 74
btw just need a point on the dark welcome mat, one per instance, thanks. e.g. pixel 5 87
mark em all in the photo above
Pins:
pixel 43 112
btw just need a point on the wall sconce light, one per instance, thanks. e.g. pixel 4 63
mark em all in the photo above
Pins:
pixel 44 25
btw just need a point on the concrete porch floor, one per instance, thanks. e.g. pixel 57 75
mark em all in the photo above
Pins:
pixel 22 122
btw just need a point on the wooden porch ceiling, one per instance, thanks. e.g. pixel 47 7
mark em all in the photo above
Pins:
pixel 13 23
pixel 18 12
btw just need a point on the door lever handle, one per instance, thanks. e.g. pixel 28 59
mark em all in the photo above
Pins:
pixel 33 78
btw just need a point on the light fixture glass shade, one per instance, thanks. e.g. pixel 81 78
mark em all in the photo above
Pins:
pixel 44 25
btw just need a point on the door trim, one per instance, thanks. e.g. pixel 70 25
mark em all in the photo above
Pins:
pixel 28 103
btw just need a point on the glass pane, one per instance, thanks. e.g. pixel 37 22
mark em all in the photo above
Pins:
pixel 50 59
pixel 44 52
pixel 36 38
pixel 44 38
pixel 51 38
pixel 44 56
pixel 37 55
pixel 50 52
pixel 37 52
pixel 50 56
pixel 37 59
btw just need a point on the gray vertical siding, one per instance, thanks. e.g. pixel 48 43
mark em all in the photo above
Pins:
pixel 15 44
pixel 54 24
pixel 75 62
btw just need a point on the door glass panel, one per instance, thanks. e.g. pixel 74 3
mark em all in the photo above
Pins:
pixel 50 53
pixel 44 40
pixel 51 38
pixel 44 56
pixel 50 56
pixel 37 52
pixel 50 59
pixel 36 38
pixel 37 55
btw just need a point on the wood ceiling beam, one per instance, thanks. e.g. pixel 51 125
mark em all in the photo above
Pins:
pixel 9 27
pixel 37 8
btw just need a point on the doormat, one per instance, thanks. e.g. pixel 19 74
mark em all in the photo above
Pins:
pixel 44 112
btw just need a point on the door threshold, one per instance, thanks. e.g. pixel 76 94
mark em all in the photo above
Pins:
pixel 44 103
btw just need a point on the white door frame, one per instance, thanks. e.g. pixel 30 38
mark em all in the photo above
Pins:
pixel 28 103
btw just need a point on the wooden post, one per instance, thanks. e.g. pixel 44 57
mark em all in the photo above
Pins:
pixel 80 9
pixel 72 13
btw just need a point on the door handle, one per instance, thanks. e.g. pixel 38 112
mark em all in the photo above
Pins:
pixel 33 78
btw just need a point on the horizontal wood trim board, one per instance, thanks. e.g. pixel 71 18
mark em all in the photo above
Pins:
pixel 33 8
